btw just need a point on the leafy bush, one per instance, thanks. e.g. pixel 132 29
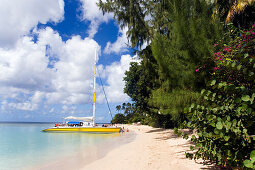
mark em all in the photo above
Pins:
pixel 225 118
pixel 250 163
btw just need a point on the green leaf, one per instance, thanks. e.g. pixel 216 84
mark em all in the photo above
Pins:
pixel 213 82
pixel 239 67
pixel 253 155
pixel 248 164
pixel 219 125
pixel 226 138
pixel 233 64
pixel 228 118
pixel 192 148
pixel 202 91
pixel 252 98
pixel 228 125
pixel 212 124
pixel 216 131
pixel 251 73
pixel 245 98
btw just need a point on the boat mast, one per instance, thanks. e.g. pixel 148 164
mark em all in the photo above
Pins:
pixel 94 89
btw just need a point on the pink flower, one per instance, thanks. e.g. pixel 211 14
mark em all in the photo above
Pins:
pixel 215 68
pixel 253 25
pixel 197 70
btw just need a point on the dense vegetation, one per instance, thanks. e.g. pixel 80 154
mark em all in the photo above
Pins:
pixel 193 45
pixel 224 118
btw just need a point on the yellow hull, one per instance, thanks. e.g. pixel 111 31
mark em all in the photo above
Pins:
pixel 83 129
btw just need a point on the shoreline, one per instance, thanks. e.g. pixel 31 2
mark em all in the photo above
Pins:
pixel 153 148
pixel 86 155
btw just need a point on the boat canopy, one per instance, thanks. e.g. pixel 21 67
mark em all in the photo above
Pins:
pixel 85 119
pixel 76 123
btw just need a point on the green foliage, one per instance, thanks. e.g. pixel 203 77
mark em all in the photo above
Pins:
pixel 239 12
pixel 131 14
pixel 181 33
pixel 184 41
pixel 172 104
pixel 225 118
pixel 129 114
pixel 250 163
pixel 119 118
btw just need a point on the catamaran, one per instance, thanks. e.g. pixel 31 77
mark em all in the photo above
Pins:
pixel 84 124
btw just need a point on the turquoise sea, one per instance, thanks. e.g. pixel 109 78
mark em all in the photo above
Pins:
pixel 24 146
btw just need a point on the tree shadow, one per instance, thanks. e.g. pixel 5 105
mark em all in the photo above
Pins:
pixel 169 134
pixel 156 130
pixel 211 165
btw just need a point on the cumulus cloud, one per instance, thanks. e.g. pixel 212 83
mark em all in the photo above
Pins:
pixel 95 16
pixel 68 109
pixel 30 77
pixel 17 18
pixel 114 79
pixel 26 106
pixel 120 45
pixel 52 71
pixel 28 69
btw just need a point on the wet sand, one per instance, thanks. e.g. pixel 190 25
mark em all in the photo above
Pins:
pixel 153 148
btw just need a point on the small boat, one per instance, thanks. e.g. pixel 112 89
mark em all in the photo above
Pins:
pixel 84 124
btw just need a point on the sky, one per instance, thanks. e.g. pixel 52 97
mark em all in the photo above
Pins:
pixel 47 53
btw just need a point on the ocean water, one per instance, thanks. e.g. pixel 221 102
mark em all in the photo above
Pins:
pixel 24 146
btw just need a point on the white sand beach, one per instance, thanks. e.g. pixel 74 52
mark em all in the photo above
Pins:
pixel 153 148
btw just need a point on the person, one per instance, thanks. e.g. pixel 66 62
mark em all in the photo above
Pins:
pixel 121 130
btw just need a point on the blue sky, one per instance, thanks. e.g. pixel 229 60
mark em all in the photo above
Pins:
pixel 46 60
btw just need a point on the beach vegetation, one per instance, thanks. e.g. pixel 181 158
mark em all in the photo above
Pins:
pixel 179 37
pixel 119 118
pixel 225 117
pixel 197 72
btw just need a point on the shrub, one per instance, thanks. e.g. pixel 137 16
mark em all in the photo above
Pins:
pixel 225 118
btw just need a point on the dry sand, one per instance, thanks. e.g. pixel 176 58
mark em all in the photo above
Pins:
pixel 151 149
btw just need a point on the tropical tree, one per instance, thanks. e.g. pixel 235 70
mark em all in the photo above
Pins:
pixel 118 108
pixel 181 36
pixel 119 118
pixel 240 12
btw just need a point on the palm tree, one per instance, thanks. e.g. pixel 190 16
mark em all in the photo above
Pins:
pixel 227 9
pixel 123 106
pixel 118 108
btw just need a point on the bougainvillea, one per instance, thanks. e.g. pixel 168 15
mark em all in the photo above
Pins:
pixel 225 118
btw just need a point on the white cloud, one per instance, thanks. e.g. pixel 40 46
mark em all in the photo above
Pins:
pixel 26 75
pixel 25 66
pixel 120 45
pixel 114 79
pixel 68 109
pixel 17 18
pixel 50 70
pixel 27 106
pixel 92 13
pixel 27 78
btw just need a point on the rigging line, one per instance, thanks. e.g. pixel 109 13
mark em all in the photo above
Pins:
pixel 105 94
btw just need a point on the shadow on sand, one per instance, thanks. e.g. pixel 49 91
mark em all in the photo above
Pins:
pixel 166 134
